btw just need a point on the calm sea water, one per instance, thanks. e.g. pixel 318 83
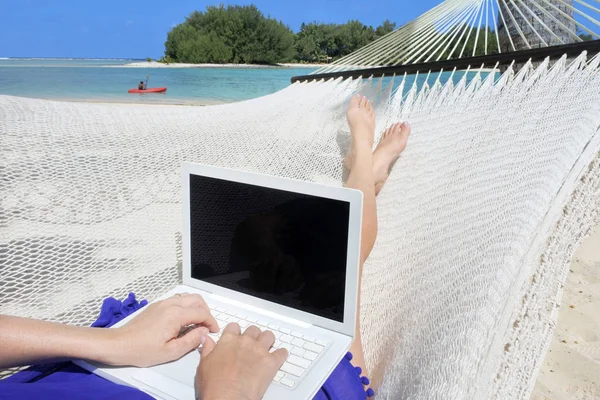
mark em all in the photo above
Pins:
pixel 109 80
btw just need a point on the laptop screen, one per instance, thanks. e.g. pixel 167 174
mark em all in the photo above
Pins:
pixel 284 247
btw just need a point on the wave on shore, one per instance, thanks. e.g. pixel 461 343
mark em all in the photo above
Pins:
pixel 156 64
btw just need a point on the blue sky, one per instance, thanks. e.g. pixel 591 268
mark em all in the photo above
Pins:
pixel 138 29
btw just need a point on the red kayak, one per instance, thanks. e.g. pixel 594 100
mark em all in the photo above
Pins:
pixel 149 90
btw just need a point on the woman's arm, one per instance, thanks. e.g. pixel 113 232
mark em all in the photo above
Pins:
pixel 26 341
pixel 149 339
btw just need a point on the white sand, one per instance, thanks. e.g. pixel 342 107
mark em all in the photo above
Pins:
pixel 571 370
pixel 297 65
pixel 155 64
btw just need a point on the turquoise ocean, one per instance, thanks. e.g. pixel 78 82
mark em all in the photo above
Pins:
pixel 109 80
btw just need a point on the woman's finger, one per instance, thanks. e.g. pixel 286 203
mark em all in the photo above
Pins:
pixel 233 328
pixel 198 316
pixel 252 331
pixel 267 338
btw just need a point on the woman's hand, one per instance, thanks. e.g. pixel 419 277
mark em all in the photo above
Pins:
pixel 153 337
pixel 240 367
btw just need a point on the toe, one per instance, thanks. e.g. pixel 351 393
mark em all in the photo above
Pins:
pixel 355 101
pixel 394 129
pixel 404 133
pixel 369 106
pixel 405 130
pixel 364 103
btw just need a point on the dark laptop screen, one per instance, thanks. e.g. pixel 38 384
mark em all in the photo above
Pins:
pixel 284 247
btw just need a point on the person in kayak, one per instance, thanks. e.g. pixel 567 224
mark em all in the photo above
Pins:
pixel 141 86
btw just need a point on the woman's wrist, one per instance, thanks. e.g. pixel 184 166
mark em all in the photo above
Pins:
pixel 26 341
pixel 100 345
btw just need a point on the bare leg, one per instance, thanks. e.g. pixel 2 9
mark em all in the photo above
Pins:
pixel 368 172
pixel 361 119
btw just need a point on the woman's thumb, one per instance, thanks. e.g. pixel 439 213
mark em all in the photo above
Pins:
pixel 207 347
pixel 191 340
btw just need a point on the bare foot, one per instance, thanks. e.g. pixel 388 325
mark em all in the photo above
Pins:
pixel 392 143
pixel 361 120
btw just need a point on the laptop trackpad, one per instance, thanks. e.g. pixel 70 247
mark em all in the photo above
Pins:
pixel 175 378
pixel 182 370
pixel 163 385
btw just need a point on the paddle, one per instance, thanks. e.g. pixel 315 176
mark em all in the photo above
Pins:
pixel 147 77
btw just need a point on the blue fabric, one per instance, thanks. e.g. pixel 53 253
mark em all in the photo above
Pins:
pixel 345 383
pixel 67 381
pixel 113 310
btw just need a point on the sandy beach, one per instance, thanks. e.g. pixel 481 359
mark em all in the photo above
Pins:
pixel 156 64
pixel 571 369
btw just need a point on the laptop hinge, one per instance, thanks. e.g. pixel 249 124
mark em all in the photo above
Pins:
pixel 262 311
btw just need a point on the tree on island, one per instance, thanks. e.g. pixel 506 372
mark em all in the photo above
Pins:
pixel 586 37
pixel 232 34
pixel 317 41
pixel 242 34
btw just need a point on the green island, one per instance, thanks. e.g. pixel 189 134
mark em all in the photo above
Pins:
pixel 243 34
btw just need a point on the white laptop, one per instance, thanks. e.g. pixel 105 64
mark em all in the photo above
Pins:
pixel 277 253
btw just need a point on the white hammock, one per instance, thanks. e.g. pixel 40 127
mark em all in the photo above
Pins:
pixel 478 220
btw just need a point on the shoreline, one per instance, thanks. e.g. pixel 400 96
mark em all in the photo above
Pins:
pixel 175 102
pixel 156 64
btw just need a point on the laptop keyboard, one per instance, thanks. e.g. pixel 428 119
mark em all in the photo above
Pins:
pixel 302 349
